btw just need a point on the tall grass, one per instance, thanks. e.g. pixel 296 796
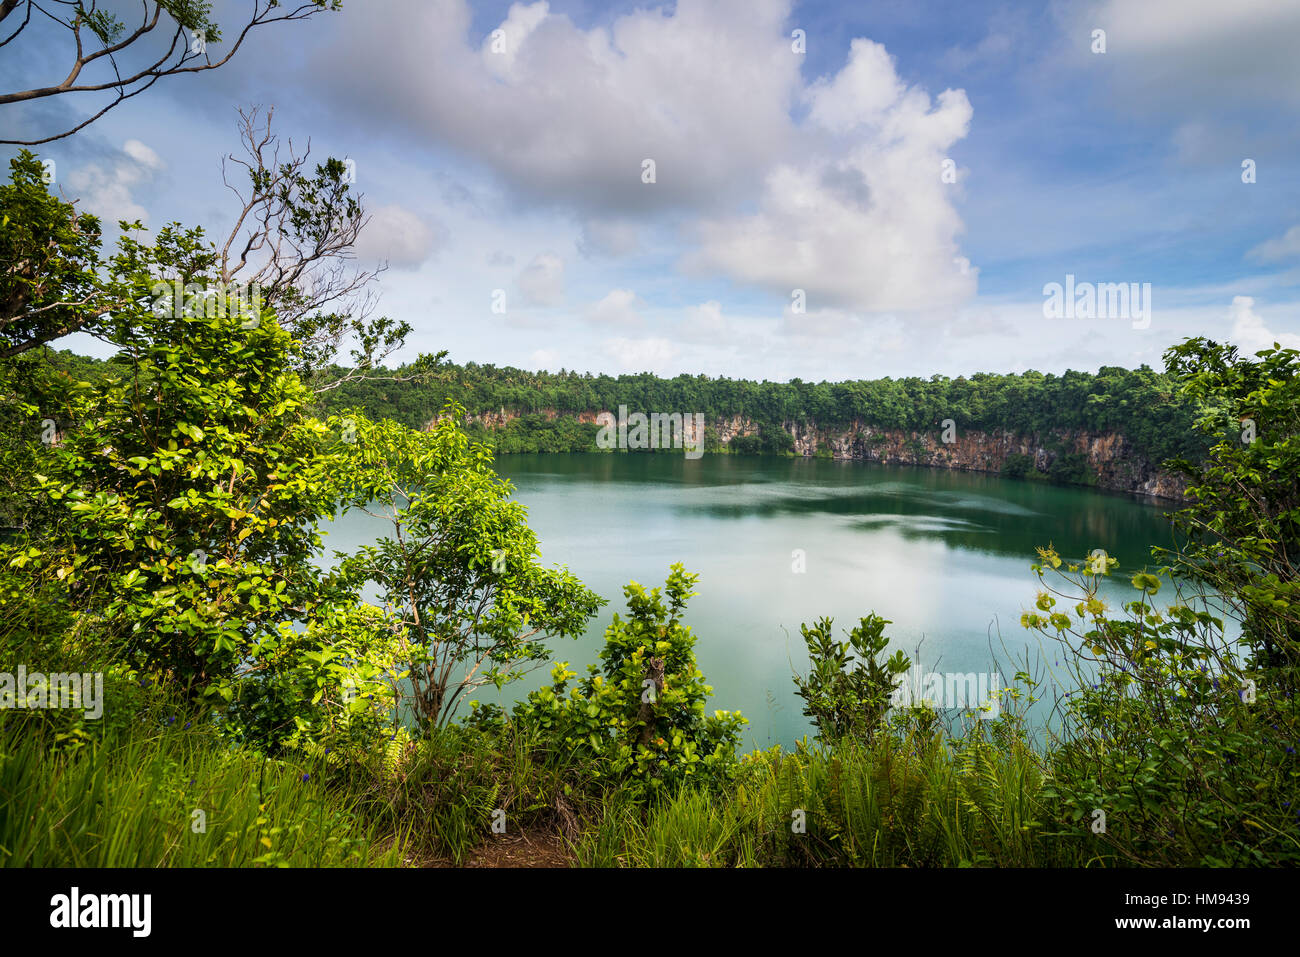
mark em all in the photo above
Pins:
pixel 898 801
pixel 170 796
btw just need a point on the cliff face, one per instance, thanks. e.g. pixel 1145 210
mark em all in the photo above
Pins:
pixel 502 417
pixel 1109 457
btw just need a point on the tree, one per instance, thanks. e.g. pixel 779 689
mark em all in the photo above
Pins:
pixel 290 247
pixel 1184 745
pixel 181 509
pixel 1242 527
pixel 185 26
pixel 460 571
pixel 849 701
pixel 49 261
pixel 292 241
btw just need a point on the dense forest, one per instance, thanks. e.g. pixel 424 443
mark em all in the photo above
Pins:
pixel 1141 404
pixel 542 410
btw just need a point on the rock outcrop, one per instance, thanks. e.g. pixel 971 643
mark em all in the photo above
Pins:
pixel 1109 459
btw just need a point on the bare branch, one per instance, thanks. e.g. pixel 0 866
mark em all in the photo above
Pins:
pixel 180 56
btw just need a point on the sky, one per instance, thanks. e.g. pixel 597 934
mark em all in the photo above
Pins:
pixel 834 190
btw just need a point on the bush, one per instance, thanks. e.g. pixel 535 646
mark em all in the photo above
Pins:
pixel 848 701
pixel 1174 748
pixel 640 717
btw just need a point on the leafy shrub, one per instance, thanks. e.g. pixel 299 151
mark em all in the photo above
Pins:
pixel 848 690
pixel 1185 746
pixel 640 717
pixel 334 685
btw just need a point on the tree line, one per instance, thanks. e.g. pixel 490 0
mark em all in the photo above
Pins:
pixel 1143 404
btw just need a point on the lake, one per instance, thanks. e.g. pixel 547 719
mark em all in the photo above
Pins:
pixel 944 555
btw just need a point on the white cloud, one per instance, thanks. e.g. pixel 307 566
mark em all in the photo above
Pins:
pixel 142 154
pixel 568 114
pixel 502 46
pixel 618 308
pixel 397 235
pixel 1249 334
pixel 871 228
pixel 107 190
pixel 1193 54
pixel 542 281
pixel 1175 25
pixel 640 355
pixel 1286 248
pixel 848 198
pixel 861 93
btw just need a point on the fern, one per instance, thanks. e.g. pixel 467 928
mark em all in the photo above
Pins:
pixel 396 752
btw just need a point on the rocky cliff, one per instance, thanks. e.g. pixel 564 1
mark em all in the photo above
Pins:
pixel 1109 461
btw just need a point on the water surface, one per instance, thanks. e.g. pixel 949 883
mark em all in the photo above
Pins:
pixel 944 555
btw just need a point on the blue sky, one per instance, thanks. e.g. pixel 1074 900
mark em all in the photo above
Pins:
pixel 519 169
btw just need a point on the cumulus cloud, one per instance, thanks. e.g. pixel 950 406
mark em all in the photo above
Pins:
pixel 1155 26
pixel 872 228
pixel 107 189
pixel 618 308
pixel 832 185
pixel 565 114
pixel 542 281
pixel 639 355
pixel 1198 54
pixel 501 48
pixel 398 236
pixel 1249 334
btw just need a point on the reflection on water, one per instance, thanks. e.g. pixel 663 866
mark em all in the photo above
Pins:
pixel 944 555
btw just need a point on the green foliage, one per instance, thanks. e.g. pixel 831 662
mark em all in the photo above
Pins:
pixel 331 689
pixel 471 603
pixel 1141 404
pixel 165 793
pixel 1018 465
pixel 1242 529
pixel 1071 468
pixel 848 689
pixel 908 798
pixel 640 718
pixel 49 255
pixel 1188 749
pixel 180 512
